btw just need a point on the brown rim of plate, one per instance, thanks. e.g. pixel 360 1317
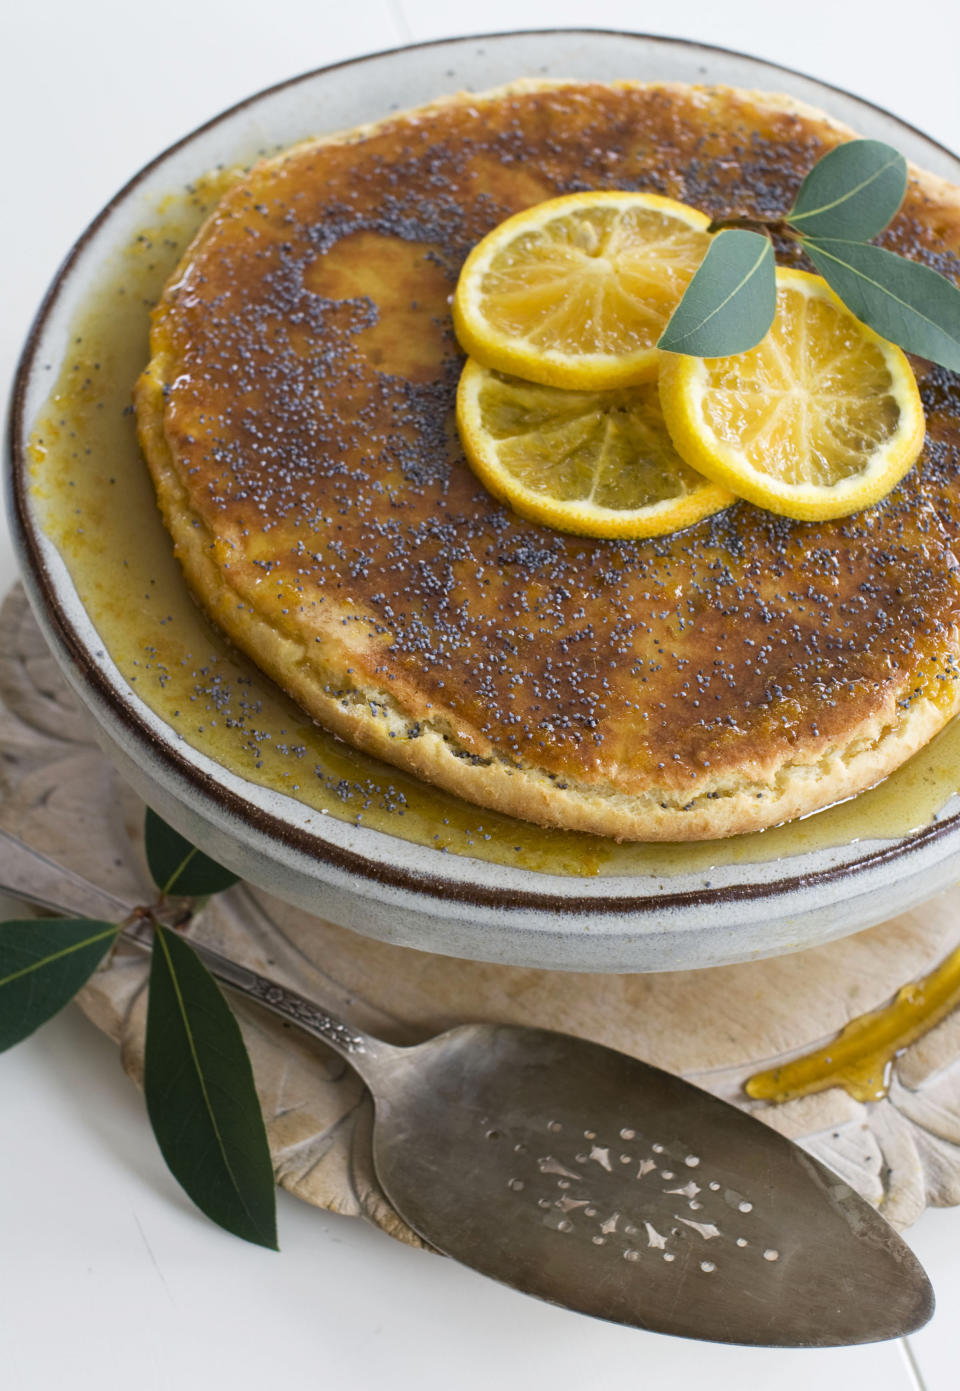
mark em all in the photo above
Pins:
pixel 262 821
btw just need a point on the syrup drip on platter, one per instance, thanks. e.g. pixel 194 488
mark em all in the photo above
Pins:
pixel 860 1058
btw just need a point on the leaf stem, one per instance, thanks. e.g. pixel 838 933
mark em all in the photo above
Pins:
pixel 753 224
pixel 153 915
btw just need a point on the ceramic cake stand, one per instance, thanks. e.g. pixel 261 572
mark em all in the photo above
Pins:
pixel 716 1026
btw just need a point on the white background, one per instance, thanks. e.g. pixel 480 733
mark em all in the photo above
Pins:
pixel 108 1278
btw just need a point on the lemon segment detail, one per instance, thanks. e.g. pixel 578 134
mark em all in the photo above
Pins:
pixel 822 418
pixel 598 463
pixel 576 291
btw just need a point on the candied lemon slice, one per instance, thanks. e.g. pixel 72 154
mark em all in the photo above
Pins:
pixel 576 292
pixel 820 419
pixel 599 463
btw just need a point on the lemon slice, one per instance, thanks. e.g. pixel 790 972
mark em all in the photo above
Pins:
pixel 599 463
pixel 576 291
pixel 820 419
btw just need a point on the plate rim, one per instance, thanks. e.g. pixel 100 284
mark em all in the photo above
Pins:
pixel 57 625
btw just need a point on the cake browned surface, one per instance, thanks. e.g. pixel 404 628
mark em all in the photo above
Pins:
pixel 297 416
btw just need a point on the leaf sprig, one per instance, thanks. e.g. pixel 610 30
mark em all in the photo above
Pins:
pixel 848 197
pixel 198 1080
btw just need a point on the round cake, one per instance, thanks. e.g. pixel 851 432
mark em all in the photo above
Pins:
pixel 297 416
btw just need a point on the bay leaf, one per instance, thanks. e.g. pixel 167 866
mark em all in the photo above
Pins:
pixel 177 866
pixel 730 303
pixel 852 192
pixel 910 304
pixel 43 963
pixel 201 1097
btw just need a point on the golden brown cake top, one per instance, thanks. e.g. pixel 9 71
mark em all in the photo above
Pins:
pixel 310 367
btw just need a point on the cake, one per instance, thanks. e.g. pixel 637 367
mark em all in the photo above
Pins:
pixel 297 418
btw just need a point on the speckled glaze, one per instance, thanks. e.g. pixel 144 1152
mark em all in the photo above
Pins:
pixel 376 883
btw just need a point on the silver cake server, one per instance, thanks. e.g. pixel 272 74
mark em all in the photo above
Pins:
pixel 595 1181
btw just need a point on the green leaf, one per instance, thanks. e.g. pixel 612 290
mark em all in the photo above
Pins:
pixel 43 963
pixel 730 303
pixel 201 1098
pixel 910 304
pixel 179 867
pixel 852 192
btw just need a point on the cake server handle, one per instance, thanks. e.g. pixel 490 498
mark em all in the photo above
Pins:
pixel 28 874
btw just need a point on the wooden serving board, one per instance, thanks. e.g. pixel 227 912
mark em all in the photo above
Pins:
pixel 717 1027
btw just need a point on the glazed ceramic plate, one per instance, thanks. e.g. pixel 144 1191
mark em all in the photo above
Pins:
pixel 721 906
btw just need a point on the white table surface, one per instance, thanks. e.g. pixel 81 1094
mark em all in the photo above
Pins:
pixel 108 1278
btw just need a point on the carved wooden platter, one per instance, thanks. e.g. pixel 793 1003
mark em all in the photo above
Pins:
pixel 717 1027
